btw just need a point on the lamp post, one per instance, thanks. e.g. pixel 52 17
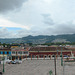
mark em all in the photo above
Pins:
pixel 57 53
pixel 55 63
pixel 3 63
pixel 61 58
pixel 64 68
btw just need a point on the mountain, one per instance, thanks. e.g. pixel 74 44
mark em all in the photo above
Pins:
pixel 41 39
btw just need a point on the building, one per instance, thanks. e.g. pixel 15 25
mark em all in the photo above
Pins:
pixel 6 53
pixel 48 52
pixel 73 51
pixel 19 53
pixel 14 46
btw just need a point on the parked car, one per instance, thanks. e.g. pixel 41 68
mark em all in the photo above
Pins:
pixel 8 61
pixel 13 62
pixel 18 61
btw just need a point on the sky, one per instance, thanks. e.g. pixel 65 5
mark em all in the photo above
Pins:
pixel 20 18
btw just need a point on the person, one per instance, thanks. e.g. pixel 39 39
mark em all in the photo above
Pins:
pixel 67 58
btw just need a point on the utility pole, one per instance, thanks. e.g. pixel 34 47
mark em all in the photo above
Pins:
pixel 3 63
pixel 57 53
pixel 55 63
pixel 64 68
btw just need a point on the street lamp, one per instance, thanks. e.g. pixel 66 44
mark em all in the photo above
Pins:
pixel 61 58
pixel 57 53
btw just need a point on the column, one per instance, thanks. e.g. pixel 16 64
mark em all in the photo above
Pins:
pixel 37 57
pixel 18 57
pixel 31 56
pixel 44 56
pixel 21 57
pixel 26 57
pixel 50 57
pixel 15 57
pixel 56 56
pixel 11 57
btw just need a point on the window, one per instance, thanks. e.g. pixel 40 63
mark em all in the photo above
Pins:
pixel 19 52
pixel 13 52
pixel 26 52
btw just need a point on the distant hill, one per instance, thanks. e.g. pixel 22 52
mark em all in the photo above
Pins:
pixel 41 39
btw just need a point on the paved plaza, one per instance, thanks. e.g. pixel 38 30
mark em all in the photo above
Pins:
pixel 36 67
pixel 69 68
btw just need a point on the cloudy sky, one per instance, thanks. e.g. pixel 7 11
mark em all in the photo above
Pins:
pixel 19 18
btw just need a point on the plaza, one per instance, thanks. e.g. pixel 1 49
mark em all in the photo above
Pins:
pixel 33 67
pixel 39 67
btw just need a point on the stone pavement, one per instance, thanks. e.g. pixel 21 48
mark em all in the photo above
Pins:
pixel 33 67
pixel 69 68
pixel 1 67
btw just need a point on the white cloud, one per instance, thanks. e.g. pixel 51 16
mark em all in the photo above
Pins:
pixel 42 17
pixel 4 33
pixel 8 23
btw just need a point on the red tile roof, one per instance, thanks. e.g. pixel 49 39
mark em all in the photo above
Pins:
pixel 72 48
pixel 27 49
pixel 47 48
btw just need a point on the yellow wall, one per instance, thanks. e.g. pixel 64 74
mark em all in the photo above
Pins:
pixel 2 55
pixel 14 46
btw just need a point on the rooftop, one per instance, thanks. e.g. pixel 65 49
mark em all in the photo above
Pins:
pixel 47 48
